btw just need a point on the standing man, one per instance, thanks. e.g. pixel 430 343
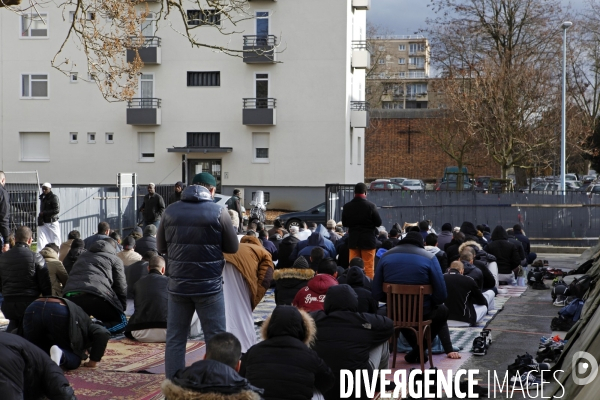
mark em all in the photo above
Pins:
pixel 194 234
pixel 48 227
pixel 234 204
pixel 4 214
pixel 520 236
pixel 361 218
pixel 152 207
pixel 176 196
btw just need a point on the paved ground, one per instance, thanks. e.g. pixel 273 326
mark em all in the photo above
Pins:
pixel 518 327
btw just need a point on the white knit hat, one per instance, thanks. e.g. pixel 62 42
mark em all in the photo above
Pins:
pixel 47 185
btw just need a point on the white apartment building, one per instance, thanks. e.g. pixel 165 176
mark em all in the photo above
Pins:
pixel 285 123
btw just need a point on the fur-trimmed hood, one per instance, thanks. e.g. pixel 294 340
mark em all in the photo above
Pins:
pixel 470 243
pixel 293 273
pixel 174 392
pixel 290 321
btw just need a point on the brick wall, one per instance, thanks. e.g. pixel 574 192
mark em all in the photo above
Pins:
pixel 390 151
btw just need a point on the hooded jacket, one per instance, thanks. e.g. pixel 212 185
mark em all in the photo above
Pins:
pixel 129 257
pixel 470 233
pixel 481 261
pixel 23 273
pixel 86 336
pixel 133 273
pixel 312 297
pixel 255 265
pixel 270 247
pixel 361 218
pixel 28 373
pixel 288 281
pixel 286 248
pixel 506 253
pixel 145 243
pixel 316 239
pixel 283 363
pixel 474 273
pixel 451 250
pixel 355 278
pixel 56 270
pixel 100 272
pixel 524 241
pixel 443 238
pixel 345 336
pixel 518 244
pixel 89 241
pixel 195 232
pixel 77 248
pixel 463 293
pixel 441 256
pixel 209 380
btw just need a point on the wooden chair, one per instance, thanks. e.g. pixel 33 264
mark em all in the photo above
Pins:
pixel 405 308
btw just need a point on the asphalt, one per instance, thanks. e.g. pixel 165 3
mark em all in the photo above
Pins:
pixel 517 329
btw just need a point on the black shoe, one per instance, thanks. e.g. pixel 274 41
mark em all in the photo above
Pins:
pixel 480 346
pixel 412 357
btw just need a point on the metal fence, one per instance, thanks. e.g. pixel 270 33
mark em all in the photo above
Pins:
pixel 23 189
pixel 572 219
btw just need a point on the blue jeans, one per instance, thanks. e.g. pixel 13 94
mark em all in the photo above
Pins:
pixel 211 311
pixel 47 324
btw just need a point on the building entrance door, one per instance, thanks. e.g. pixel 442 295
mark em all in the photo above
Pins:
pixel 213 167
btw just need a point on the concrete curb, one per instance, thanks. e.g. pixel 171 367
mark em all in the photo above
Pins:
pixel 558 249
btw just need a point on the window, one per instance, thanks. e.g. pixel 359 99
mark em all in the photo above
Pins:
pixel 203 17
pixel 34 86
pixel 90 16
pixel 73 77
pixel 203 139
pixel 416 47
pixel 35 146
pixel 402 47
pixel 110 137
pixel 92 137
pixel 392 105
pixel 146 146
pixel 381 61
pixel 402 61
pixel 418 61
pixel 148 25
pixel 261 90
pixel 92 76
pixel 34 25
pixel 72 137
pixel 266 195
pixel 262 24
pixel 203 78
pixel 416 89
pixel 71 16
pixel 146 90
pixel 260 145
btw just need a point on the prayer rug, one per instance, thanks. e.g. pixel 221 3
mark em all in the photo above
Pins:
pixel 127 355
pixel 95 384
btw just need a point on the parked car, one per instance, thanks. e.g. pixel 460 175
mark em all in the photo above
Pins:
pixel 315 214
pixel 384 184
pixel 398 180
pixel 482 183
pixel 545 188
pixel 593 189
pixel 222 199
pixel 452 173
pixel 413 184
pixel 453 186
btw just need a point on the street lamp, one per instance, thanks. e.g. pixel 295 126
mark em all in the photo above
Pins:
pixel 563 134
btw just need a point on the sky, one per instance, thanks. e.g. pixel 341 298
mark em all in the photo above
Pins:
pixel 406 17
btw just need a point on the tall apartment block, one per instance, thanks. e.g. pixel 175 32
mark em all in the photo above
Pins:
pixel 286 120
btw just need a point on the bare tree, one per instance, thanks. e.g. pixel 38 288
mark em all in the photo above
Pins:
pixel 103 30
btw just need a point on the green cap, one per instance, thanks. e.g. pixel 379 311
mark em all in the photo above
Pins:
pixel 205 178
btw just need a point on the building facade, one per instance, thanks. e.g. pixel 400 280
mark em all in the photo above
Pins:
pixel 288 120
pixel 399 74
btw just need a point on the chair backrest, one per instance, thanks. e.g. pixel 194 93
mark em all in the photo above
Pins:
pixel 405 303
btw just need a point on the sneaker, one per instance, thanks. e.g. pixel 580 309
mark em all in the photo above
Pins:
pixel 480 346
pixel 560 301
pixel 56 354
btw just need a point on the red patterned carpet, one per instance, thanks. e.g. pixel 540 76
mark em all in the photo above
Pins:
pixel 95 384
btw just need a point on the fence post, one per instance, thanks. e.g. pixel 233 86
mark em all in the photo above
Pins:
pixel 135 206
pixel 120 206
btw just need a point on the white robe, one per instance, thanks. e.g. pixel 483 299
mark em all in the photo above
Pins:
pixel 238 309
pixel 48 233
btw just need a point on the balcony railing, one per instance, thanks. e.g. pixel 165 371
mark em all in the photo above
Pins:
pixel 259 111
pixel 144 111
pixel 145 41
pixel 359 105
pixel 359 114
pixel 398 37
pixel 259 49
pixel 148 48
pixel 362 45
pixel 144 103
pixel 401 75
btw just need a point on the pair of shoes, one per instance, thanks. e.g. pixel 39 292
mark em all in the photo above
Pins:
pixel 482 342
pixel 412 357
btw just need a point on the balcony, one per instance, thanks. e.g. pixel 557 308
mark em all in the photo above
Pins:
pixel 148 48
pixel 259 111
pixel 359 114
pixel 361 54
pixel 361 4
pixel 144 111
pixel 259 49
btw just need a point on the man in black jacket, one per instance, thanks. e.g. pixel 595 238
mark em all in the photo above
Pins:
pixel 466 257
pixel 431 242
pixel 148 323
pixel 176 195
pixel 215 377
pixel 348 339
pixel 62 329
pixel 136 271
pixel 355 278
pixel 520 236
pixel 362 220
pixel 466 303
pixel 97 284
pixel 506 253
pixel 23 277
pixel 147 242
pixel 152 207
pixel 103 231
pixel 286 248
pixel 4 214
pixel 48 227
pixel 194 233
pixel 26 372
pixel 234 204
